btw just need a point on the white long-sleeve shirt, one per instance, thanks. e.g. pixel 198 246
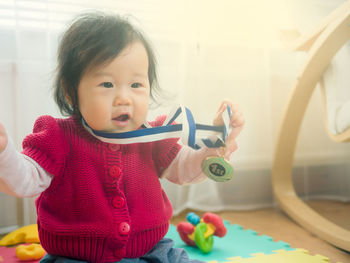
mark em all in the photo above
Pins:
pixel 21 176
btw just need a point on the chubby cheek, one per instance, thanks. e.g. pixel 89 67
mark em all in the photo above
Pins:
pixel 95 114
pixel 141 110
pixel 142 117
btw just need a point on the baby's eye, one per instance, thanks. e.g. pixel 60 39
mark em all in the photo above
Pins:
pixel 106 84
pixel 136 85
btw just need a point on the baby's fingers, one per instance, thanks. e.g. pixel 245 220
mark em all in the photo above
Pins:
pixel 237 119
pixel 218 117
pixel 236 114
pixel 231 146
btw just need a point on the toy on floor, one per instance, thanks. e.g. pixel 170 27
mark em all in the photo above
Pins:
pixel 30 252
pixel 26 234
pixel 199 232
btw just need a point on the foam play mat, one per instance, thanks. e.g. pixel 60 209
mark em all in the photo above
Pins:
pixel 237 246
pixel 294 256
pixel 8 255
pixel 246 246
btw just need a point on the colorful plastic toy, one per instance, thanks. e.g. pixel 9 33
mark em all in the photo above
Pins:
pixel 30 252
pixel 199 232
pixel 26 234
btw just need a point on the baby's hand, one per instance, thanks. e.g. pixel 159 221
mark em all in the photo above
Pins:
pixel 3 138
pixel 237 122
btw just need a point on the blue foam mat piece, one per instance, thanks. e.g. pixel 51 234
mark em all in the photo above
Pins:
pixel 237 242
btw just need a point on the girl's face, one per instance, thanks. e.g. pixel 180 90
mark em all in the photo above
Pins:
pixel 115 96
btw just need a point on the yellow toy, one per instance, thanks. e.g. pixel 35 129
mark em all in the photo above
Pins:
pixel 30 252
pixel 26 234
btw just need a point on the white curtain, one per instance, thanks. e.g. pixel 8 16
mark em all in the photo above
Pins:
pixel 207 51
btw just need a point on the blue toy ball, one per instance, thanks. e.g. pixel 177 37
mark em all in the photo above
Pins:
pixel 193 218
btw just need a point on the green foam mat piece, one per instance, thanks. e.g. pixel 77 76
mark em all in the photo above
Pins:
pixel 238 242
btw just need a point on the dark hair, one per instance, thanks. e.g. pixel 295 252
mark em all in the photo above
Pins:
pixel 91 40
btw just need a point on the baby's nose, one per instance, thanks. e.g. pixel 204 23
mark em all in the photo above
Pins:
pixel 122 97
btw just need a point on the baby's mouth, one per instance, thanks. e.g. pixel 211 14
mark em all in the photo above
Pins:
pixel 123 117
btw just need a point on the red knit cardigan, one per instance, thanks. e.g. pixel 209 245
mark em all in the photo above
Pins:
pixel 105 201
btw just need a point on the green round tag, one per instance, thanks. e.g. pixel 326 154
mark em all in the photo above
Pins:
pixel 217 169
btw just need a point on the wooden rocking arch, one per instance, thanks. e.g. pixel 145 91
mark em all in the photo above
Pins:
pixel 321 45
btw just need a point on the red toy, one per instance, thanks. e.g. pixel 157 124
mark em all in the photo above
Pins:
pixel 199 232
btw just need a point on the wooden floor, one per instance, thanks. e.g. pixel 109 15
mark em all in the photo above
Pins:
pixel 276 224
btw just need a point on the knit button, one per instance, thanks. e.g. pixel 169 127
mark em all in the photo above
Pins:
pixel 124 228
pixel 118 202
pixel 114 147
pixel 114 171
pixel 119 252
